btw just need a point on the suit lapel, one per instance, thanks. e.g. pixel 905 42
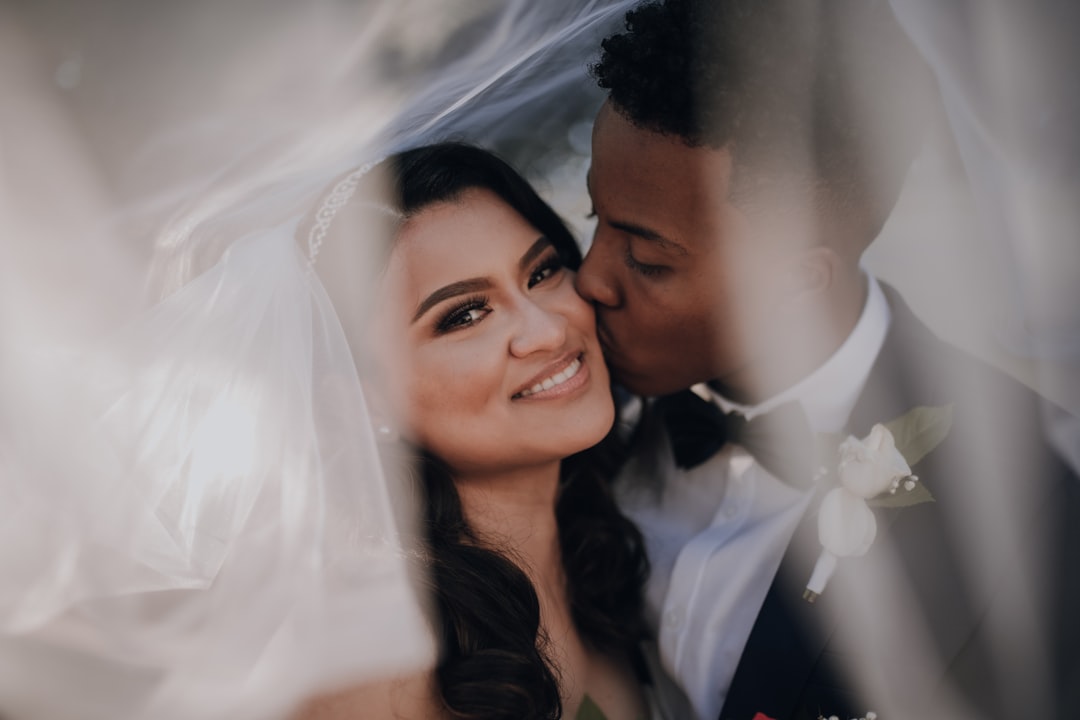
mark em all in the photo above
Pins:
pixel 896 383
pixel 946 601
pixel 787 639
pixel 785 670
pixel 961 606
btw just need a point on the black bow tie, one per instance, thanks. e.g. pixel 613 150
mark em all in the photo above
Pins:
pixel 780 440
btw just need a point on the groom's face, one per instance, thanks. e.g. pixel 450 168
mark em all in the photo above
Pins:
pixel 684 286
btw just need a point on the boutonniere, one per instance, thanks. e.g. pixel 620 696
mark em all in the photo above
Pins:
pixel 872 472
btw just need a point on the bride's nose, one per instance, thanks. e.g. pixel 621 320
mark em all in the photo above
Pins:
pixel 538 328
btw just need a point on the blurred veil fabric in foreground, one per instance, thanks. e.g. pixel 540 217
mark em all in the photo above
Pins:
pixel 193 519
pixel 213 528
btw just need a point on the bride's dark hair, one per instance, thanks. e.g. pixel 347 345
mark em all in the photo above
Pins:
pixel 493 662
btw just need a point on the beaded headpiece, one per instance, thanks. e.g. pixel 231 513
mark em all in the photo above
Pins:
pixel 338 198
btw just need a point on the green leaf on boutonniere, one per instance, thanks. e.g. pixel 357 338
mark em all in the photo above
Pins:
pixel 919 431
pixel 589 710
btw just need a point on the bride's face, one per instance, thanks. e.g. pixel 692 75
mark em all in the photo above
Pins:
pixel 489 358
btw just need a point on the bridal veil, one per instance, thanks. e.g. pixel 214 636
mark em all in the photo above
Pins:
pixel 194 522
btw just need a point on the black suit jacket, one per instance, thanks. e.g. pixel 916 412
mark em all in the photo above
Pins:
pixel 963 607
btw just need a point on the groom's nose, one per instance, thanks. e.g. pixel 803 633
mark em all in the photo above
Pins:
pixel 595 281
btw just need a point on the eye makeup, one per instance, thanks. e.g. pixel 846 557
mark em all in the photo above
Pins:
pixel 548 266
pixel 463 314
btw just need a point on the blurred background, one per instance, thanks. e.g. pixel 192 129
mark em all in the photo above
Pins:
pixel 117 112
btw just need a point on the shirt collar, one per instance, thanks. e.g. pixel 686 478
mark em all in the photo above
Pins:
pixel 828 395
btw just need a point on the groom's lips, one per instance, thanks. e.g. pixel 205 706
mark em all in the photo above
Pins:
pixel 609 348
pixel 601 330
pixel 620 368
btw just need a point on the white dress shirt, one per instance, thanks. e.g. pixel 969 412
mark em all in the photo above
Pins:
pixel 716 533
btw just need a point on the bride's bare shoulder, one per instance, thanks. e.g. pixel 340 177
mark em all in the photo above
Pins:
pixel 413 697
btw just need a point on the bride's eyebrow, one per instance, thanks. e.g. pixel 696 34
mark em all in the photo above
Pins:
pixel 535 250
pixel 462 287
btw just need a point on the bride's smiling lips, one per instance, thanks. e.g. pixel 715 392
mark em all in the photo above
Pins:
pixel 560 378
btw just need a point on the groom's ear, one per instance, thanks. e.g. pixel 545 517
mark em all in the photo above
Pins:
pixel 811 273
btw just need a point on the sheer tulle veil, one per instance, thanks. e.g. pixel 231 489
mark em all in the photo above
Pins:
pixel 195 521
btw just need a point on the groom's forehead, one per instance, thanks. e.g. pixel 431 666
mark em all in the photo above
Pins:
pixel 656 177
pixel 648 162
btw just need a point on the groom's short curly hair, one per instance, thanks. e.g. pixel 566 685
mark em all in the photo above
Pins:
pixel 831 89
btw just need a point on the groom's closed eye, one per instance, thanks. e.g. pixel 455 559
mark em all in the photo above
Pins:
pixel 652 243
pixel 646 269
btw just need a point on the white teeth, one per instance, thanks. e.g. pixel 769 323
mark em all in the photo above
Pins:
pixel 557 379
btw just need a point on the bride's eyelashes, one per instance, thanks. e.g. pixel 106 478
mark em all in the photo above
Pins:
pixel 548 266
pixel 471 310
pixel 465 313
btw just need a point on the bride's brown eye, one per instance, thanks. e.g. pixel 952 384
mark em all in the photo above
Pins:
pixel 463 315
pixel 547 267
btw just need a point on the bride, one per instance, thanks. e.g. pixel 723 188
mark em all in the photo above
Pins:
pixel 217 540
pixel 476 350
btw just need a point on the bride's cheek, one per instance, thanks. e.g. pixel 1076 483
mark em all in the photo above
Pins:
pixel 575 308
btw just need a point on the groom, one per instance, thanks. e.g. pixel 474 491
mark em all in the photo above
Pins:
pixel 747 155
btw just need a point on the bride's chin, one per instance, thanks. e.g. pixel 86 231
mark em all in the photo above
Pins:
pixel 596 429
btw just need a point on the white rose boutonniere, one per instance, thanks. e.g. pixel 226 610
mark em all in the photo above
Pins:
pixel 873 465
pixel 873 471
